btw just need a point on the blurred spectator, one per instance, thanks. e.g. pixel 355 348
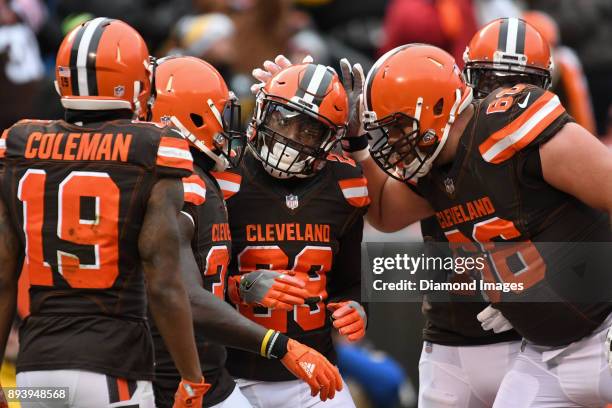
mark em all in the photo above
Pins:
pixel 152 18
pixel 568 80
pixel 308 42
pixel 207 36
pixel 351 28
pixel 237 36
pixel 448 24
pixel 21 66
pixel 489 10
pixel 585 27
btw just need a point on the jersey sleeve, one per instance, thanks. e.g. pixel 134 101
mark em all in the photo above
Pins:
pixel 229 182
pixel 173 156
pixel 512 120
pixel 351 182
pixel 194 190
pixel 345 279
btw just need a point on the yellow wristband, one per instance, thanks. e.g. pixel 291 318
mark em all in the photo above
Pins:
pixel 264 342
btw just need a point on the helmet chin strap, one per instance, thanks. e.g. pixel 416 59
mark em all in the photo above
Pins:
pixel 220 163
pixel 137 107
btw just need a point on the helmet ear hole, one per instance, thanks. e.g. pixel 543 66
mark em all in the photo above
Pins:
pixel 438 107
pixel 196 119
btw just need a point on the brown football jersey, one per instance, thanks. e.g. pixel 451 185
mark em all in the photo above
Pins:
pixel 211 243
pixel 78 196
pixel 494 191
pixel 312 226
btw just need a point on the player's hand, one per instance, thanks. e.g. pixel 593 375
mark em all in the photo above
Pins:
pixel 3 403
pixel 492 319
pixel 190 394
pixel 309 365
pixel 272 289
pixel 353 80
pixel 272 68
pixel 349 318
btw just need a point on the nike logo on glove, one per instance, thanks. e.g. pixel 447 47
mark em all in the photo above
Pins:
pixel 523 104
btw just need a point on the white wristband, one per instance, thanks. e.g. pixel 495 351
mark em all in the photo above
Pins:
pixel 360 155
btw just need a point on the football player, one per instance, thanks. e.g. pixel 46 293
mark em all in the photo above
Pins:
pixel 89 205
pixel 191 94
pixel 509 167
pixel 505 52
pixel 296 210
pixel 454 338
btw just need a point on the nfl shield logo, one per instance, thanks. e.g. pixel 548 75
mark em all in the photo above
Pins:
pixel 119 91
pixel 64 72
pixel 449 185
pixel 292 201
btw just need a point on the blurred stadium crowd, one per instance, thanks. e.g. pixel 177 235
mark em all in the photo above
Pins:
pixel 236 36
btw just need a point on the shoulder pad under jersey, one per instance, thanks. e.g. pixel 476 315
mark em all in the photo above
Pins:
pixel 229 182
pixel 194 190
pixel 350 179
pixel 510 119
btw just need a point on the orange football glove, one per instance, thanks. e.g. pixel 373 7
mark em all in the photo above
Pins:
pixel 190 394
pixel 349 318
pixel 309 365
pixel 273 289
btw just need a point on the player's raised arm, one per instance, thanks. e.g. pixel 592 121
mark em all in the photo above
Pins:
pixel 575 162
pixel 394 205
pixel 224 325
pixel 158 245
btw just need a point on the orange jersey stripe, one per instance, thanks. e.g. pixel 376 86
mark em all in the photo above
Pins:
pixel 228 182
pixel 355 191
pixel 353 182
pixel 194 190
pixel 504 143
pixel 227 176
pixel 124 391
pixel 174 142
pixel 517 123
pixel 174 152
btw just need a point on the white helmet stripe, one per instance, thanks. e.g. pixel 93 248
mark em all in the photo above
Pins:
pixel 82 53
pixel 314 83
pixel 512 35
